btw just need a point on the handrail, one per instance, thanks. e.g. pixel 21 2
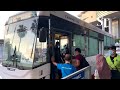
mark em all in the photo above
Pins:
pixel 84 73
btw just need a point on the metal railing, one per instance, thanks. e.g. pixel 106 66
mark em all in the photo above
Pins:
pixel 84 73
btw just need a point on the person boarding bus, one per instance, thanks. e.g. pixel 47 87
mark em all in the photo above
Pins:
pixel 67 68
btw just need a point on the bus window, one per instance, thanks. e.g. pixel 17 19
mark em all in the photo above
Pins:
pixel 64 41
pixel 92 51
pixel 18 45
pixel 40 53
pixel 79 42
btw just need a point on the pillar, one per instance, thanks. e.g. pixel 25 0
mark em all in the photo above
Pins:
pixel 103 28
pixel 110 25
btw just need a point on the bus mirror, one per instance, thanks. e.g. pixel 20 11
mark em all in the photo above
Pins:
pixel 6 23
pixel 42 35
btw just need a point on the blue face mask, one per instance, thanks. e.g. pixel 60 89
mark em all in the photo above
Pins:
pixel 110 52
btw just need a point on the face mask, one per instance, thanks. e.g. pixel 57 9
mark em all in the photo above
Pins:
pixel 110 52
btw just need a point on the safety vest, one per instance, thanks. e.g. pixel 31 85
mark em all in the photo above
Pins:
pixel 116 64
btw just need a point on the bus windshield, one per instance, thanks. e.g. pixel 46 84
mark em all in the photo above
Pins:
pixel 19 44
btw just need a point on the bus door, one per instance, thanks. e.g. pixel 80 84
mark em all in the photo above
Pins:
pixel 64 39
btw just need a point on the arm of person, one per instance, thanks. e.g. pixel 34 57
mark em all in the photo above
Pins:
pixel 77 63
pixel 56 64
pixel 53 61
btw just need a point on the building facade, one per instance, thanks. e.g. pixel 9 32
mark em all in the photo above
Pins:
pixel 88 16
pixel 106 20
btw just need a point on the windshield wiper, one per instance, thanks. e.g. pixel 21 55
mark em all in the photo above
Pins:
pixel 14 57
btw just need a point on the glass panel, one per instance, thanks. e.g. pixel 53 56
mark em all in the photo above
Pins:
pixel 105 41
pixel 108 41
pixel 22 16
pixel 1 51
pixel 82 42
pixel 79 42
pixel 63 41
pixel 40 53
pixel 111 41
pixel 93 46
pixel 19 44
pixel 87 53
pixel 92 33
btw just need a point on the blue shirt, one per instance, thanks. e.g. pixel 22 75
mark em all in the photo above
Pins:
pixel 66 69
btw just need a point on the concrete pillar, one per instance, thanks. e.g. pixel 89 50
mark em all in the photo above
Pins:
pixel 103 28
pixel 110 25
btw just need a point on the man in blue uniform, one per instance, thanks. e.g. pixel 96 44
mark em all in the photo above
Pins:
pixel 66 68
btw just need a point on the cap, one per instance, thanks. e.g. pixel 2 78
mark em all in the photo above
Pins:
pixel 113 47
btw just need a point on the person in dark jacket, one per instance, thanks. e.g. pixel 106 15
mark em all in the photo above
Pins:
pixel 57 60
pixel 57 53
pixel 50 54
pixel 65 51
pixel 80 59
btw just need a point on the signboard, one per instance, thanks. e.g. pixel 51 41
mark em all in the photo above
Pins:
pixel 80 75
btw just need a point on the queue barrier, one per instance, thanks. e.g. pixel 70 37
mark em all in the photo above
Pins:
pixel 84 73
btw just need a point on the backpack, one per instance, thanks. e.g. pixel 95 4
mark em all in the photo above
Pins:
pixel 83 63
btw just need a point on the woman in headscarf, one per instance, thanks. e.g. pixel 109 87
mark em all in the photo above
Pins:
pixel 102 68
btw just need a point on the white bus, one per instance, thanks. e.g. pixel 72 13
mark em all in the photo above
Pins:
pixel 28 34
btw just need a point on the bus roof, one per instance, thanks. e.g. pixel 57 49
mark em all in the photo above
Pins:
pixel 20 13
pixel 21 16
pixel 73 19
pixel 60 14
